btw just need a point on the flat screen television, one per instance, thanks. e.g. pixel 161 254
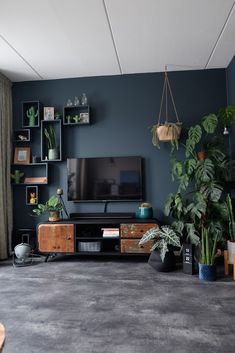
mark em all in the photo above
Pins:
pixel 104 179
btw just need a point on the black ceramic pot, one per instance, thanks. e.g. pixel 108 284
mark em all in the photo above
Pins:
pixel 167 265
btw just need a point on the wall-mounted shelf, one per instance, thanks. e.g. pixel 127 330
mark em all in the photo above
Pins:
pixel 31 114
pixel 34 173
pixel 76 115
pixel 51 125
pixel 22 135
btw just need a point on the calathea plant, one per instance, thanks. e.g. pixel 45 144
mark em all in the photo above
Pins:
pixel 198 201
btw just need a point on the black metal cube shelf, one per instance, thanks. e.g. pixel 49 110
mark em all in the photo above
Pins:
pixel 22 135
pixel 76 115
pixel 30 109
pixel 55 125
pixel 34 173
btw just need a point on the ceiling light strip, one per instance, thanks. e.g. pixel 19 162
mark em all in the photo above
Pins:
pixel 220 35
pixel 112 36
pixel 26 62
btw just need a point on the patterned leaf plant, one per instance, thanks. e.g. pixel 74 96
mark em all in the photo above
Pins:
pixel 163 236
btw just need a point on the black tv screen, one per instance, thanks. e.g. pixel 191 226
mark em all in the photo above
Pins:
pixel 105 179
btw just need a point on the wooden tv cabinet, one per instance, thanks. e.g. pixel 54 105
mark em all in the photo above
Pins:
pixel 85 237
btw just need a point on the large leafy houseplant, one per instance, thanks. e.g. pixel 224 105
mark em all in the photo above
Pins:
pixel 198 201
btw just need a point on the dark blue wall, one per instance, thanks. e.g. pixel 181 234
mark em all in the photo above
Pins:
pixel 230 73
pixel 123 108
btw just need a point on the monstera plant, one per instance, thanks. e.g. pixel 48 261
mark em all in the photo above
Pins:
pixel 198 201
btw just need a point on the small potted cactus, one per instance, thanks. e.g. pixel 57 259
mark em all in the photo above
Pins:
pixel 17 176
pixel 32 114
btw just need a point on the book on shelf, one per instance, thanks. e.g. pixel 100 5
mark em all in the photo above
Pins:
pixel 110 232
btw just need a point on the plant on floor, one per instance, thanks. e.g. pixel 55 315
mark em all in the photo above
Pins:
pixel 163 237
pixel 198 201
pixel 53 206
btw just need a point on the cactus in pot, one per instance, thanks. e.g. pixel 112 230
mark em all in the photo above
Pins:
pixel 32 114
pixel 17 176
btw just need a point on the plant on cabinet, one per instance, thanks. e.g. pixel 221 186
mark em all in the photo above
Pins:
pixel 53 207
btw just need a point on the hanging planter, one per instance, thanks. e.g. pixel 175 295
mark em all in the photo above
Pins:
pixel 167 131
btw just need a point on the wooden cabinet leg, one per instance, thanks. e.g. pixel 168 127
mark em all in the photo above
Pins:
pixel 226 262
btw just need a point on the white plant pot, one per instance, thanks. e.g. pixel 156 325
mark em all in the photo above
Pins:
pixel 52 154
pixel 231 251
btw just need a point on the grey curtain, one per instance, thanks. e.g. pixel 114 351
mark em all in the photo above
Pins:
pixel 5 166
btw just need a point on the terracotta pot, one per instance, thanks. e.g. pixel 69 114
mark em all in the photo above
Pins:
pixel 201 156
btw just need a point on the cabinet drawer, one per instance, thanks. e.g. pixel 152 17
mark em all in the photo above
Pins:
pixel 135 230
pixel 132 246
pixel 56 238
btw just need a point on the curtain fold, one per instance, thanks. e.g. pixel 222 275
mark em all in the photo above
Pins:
pixel 5 166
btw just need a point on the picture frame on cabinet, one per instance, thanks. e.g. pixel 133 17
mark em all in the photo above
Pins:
pixel 84 118
pixel 22 155
pixel 49 113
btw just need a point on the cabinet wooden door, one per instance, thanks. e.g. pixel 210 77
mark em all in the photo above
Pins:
pixel 56 238
pixel 135 230
pixel 132 246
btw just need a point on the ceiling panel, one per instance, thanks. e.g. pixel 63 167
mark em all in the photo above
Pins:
pixel 149 34
pixel 60 39
pixel 225 48
pixel 13 66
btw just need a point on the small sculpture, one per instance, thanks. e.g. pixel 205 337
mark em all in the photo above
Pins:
pixel 32 115
pixel 33 198
pixel 22 138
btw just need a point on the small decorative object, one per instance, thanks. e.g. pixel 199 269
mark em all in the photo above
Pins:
pixel 169 131
pixel 76 101
pixel 52 146
pixel 32 114
pixel 49 113
pixel 17 176
pixel 53 206
pixel 69 103
pixel 76 118
pixel 164 238
pixel 34 159
pixel 144 211
pixel 69 119
pixel 33 198
pixel 84 118
pixel 84 99
pixel 22 155
pixel 35 180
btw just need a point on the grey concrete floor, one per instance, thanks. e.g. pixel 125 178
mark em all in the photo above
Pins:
pixel 113 306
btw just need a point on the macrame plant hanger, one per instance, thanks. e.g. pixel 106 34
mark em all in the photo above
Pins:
pixel 168 131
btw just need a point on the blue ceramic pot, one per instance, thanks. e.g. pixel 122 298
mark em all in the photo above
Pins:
pixel 144 212
pixel 207 272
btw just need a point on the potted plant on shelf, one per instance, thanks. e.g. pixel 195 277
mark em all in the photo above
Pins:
pixel 162 257
pixel 52 146
pixel 227 116
pixel 53 206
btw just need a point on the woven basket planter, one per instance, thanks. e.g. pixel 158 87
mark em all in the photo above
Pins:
pixel 168 132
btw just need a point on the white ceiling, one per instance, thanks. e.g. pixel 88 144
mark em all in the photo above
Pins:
pixel 50 39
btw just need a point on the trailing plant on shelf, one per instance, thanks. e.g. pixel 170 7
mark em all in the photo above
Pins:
pixel 163 237
pixel 53 206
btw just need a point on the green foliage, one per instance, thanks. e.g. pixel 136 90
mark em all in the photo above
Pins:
pixel 53 204
pixel 50 135
pixel 231 218
pixel 175 128
pixel 32 113
pixel 163 237
pixel 17 176
pixel 208 246
pixel 227 115
pixel 209 123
